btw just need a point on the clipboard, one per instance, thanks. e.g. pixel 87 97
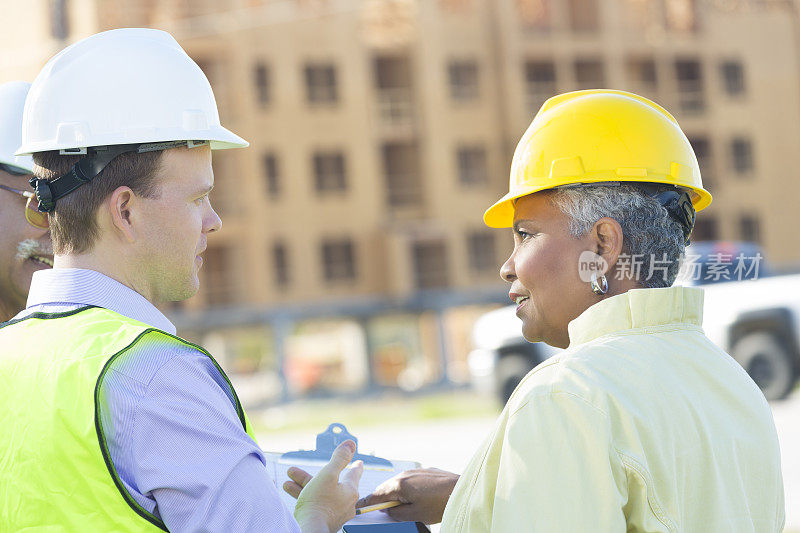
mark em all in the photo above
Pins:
pixel 327 441
pixel 376 469
pixel 397 527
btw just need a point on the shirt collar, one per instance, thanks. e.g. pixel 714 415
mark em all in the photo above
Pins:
pixel 88 287
pixel 638 308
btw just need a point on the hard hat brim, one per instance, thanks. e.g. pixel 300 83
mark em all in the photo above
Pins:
pixel 12 104
pixel 23 163
pixel 501 213
pixel 226 140
pixel 219 138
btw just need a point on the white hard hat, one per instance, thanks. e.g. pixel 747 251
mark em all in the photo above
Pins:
pixel 124 86
pixel 12 102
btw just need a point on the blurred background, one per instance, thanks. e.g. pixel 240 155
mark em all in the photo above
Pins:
pixel 353 263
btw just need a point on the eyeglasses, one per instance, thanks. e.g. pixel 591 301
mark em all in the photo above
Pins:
pixel 32 214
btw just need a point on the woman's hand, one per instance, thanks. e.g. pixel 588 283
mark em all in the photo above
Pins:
pixel 424 493
pixel 324 503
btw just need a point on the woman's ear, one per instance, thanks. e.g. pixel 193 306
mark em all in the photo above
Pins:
pixel 608 240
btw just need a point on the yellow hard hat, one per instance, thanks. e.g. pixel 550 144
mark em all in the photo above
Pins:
pixel 599 136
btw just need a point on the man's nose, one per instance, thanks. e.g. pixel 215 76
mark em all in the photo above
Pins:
pixel 215 222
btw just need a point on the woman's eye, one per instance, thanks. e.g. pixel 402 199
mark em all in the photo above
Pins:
pixel 523 235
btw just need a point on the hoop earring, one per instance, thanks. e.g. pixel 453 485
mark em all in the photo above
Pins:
pixel 599 287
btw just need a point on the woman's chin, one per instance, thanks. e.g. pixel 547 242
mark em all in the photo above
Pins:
pixel 531 333
pixel 536 335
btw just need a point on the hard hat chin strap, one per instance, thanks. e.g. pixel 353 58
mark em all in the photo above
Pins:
pixel 679 205
pixel 676 201
pixel 84 171
pixel 89 167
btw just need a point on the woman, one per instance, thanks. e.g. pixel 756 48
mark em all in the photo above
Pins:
pixel 641 424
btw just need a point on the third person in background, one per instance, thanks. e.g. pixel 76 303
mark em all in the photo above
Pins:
pixel 25 238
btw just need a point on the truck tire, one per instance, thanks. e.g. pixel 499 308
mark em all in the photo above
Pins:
pixel 511 368
pixel 768 362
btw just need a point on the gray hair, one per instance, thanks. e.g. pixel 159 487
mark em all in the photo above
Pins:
pixel 652 239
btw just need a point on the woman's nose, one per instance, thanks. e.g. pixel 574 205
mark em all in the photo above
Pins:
pixel 507 271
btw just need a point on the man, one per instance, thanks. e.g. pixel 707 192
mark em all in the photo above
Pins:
pixel 111 422
pixel 24 247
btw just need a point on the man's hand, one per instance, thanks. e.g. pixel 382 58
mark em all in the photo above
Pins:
pixel 324 503
pixel 424 493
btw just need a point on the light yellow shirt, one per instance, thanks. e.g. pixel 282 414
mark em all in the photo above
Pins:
pixel 642 424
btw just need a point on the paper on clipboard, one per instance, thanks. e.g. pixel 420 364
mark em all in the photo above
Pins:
pixel 376 469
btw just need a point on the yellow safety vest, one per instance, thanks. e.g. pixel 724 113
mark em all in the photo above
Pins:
pixel 55 469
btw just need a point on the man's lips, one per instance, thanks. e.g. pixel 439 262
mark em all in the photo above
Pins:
pixel 35 251
pixel 43 259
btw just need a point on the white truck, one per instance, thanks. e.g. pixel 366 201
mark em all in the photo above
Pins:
pixel 755 320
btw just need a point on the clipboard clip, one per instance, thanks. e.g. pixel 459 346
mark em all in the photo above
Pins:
pixel 328 440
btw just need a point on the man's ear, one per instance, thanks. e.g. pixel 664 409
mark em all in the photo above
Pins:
pixel 608 239
pixel 119 206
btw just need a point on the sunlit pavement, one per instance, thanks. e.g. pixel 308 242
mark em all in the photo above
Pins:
pixel 449 444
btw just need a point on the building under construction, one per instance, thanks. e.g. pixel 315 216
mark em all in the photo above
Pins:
pixel 381 129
